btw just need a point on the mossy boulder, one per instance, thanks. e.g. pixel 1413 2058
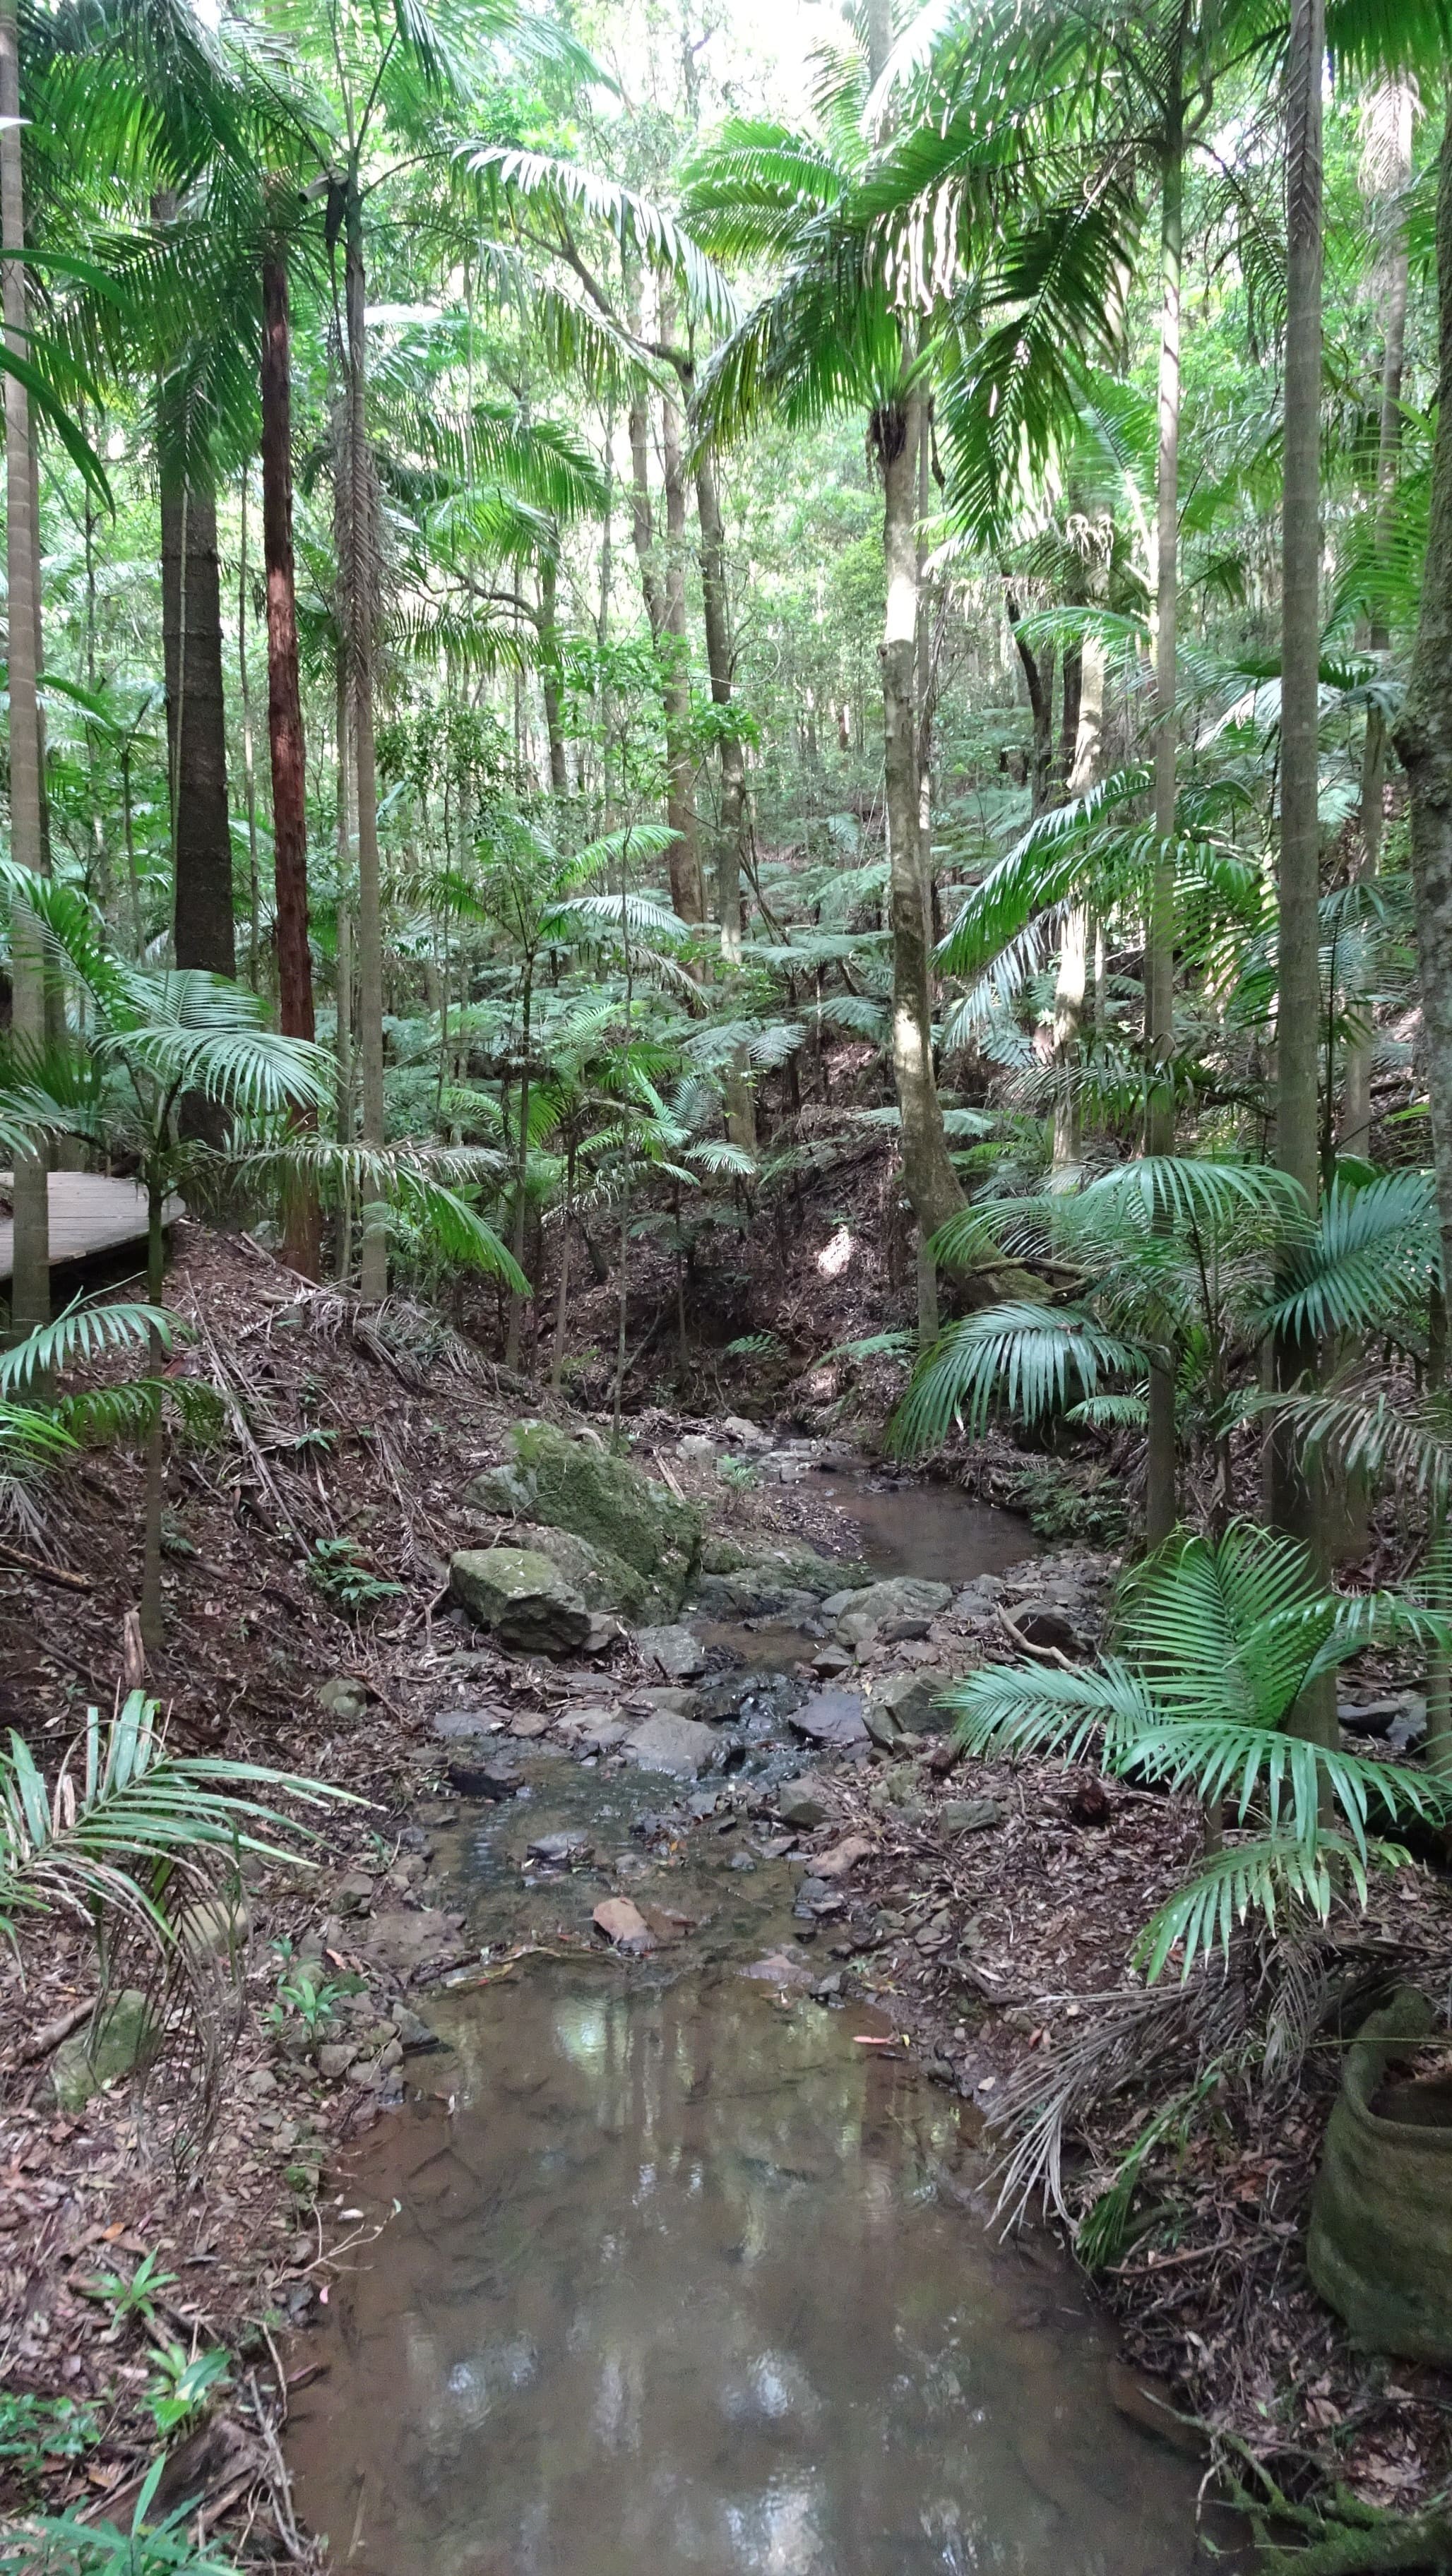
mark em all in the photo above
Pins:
pixel 603 1580
pixel 116 2045
pixel 522 1595
pixel 753 1581
pixel 575 1485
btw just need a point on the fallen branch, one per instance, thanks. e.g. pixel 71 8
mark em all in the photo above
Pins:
pixel 63 1575
pixel 50 2035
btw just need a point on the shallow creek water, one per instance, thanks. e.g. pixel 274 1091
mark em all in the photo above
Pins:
pixel 683 2280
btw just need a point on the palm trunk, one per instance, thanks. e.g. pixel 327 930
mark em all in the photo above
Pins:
pixel 196 715
pixel 687 890
pixel 928 1175
pixel 1161 1501
pixel 152 1625
pixel 740 1110
pixel 1424 744
pixel 1295 1484
pixel 1355 1135
pixel 549 671
pixel 562 1301
pixel 249 763
pixel 1085 757
pixel 285 727
pixel 360 588
pixel 30 1277
pixel 521 1169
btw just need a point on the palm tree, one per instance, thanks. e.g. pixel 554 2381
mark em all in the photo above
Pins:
pixel 30 1277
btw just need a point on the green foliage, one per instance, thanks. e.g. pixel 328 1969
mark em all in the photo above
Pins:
pixel 131 2294
pixel 180 2384
pixel 334 1571
pixel 305 1997
pixel 36 2432
pixel 1220 1641
pixel 63 2545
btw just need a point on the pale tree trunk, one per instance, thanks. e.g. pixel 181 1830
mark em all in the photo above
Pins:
pixel 1071 985
pixel 687 890
pixel 1161 1500
pixel 549 670
pixel 30 1277
pixel 1394 107
pixel 1295 1482
pixel 1424 746
pixel 249 758
pixel 932 1184
pixel 740 1108
pixel 359 581
pixel 286 750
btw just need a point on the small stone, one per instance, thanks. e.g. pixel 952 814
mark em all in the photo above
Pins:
pixel 747 1435
pixel 801 1803
pixel 91 2058
pixel 696 1446
pixel 674 1744
pixel 911 1700
pixel 830 1660
pixel 402 1941
pixel 1091 1805
pixel 777 1969
pixel 897 1632
pixel 498 1779
pixel 843 1857
pixel 831 1717
pixel 335 2058
pixel 971 1815
pixel 354 1893
pixel 623 1925
pixel 344 1697
pixel 605 1631
pixel 561 1851
pixel 675 1652
pixel 531 1723
pixel 390 2054
pixel 665 1700
pixel 411 2032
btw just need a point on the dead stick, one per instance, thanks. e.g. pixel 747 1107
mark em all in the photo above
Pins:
pixel 61 1574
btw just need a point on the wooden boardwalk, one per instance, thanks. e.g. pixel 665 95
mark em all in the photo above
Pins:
pixel 88 1215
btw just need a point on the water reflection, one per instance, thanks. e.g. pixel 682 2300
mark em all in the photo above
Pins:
pixel 668 2293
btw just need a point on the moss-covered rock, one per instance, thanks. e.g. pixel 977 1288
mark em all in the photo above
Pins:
pixel 575 1485
pixel 115 2046
pixel 603 1580
pixel 522 1595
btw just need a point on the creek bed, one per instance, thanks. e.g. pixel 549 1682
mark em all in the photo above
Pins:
pixel 682 2275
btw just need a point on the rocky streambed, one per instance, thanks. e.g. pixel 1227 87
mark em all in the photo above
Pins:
pixel 681 2263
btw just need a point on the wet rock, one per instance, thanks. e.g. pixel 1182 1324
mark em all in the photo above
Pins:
pixel 675 1744
pixel 803 1804
pixel 817 1900
pixel 664 1699
pixel 99 2055
pixel 1145 2400
pixel 899 1596
pixel 623 1924
pixel 605 1632
pixel 910 1702
pixel 466 1725
pixel 406 1941
pixel 531 1723
pixel 601 1735
pixel 831 1660
pixel 522 1596
pixel 335 2057
pixel 578 1485
pixel 971 1815
pixel 497 1779
pixel 560 1851
pixel 411 2032
pixel 900 1632
pixel 344 1698
pixel 747 1435
pixel 832 1717
pixel 674 1651
pixel 779 1969
pixel 827 1988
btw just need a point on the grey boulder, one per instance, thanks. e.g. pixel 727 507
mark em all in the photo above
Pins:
pixel 674 1744
pixel 522 1596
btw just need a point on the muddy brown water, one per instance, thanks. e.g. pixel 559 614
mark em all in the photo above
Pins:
pixel 677 2278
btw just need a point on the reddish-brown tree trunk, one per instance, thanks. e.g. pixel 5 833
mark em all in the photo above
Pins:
pixel 284 714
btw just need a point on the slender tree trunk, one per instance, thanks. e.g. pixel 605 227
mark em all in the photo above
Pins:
pixel 1424 743
pixel 549 669
pixel 196 715
pixel 1355 1136
pixel 1161 1494
pixel 687 890
pixel 285 727
pixel 740 1110
pixel 249 764
pixel 521 1168
pixel 1038 672
pixel 1071 989
pixel 1296 1483
pixel 360 587
pixel 930 1180
pixel 562 1300
pixel 30 1277
pixel 153 1635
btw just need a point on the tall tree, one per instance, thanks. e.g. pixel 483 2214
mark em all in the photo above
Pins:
pixel 284 710
pixel 30 1276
